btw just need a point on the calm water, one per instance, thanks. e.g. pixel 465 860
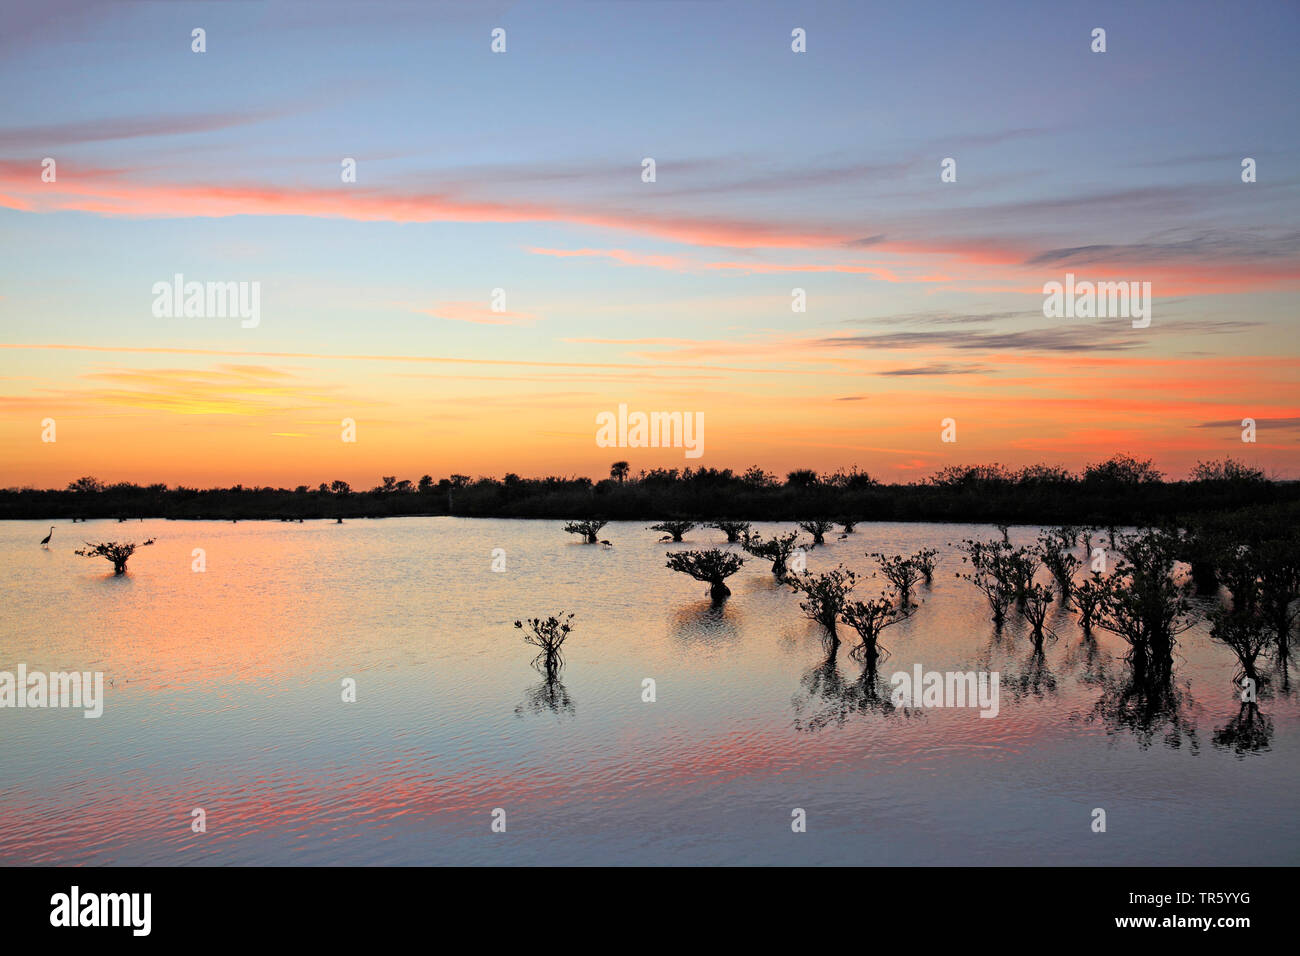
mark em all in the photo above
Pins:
pixel 224 693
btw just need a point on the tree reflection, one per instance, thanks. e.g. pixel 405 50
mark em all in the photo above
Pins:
pixel 1147 709
pixel 830 698
pixel 1248 731
pixel 548 696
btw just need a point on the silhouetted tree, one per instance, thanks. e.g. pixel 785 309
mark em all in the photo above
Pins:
pixel 991 572
pixel 776 549
pixel 588 529
pixel 801 478
pixel 1055 548
pixel 1227 471
pixel 871 617
pixel 87 484
pixel 825 595
pixel 618 471
pixel 1087 596
pixel 548 634
pixel 1142 604
pixel 1123 470
pixel 119 554
pixel 924 559
pixel 901 572
pixel 817 529
pixel 1245 633
pixel 673 530
pixel 1038 600
pixel 732 529
pixel 713 567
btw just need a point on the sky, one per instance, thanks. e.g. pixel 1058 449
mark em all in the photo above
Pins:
pixel 523 171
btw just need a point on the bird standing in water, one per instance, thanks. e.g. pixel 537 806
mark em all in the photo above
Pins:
pixel 46 540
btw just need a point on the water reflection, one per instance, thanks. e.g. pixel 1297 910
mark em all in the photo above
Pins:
pixel 1248 731
pixel 1032 678
pixel 705 622
pixel 548 696
pixel 829 698
pixel 227 682
pixel 1148 710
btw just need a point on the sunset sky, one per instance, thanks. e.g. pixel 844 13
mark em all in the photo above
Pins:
pixel 522 171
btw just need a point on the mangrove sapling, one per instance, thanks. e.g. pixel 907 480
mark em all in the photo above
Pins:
pixel 1055 547
pixel 991 573
pixel 548 634
pixel 871 617
pixel 848 524
pixel 901 572
pixel 1038 601
pixel 776 549
pixel 817 529
pixel 1086 596
pixel 1279 588
pixel 119 554
pixel 1238 568
pixel 672 530
pixel 1022 563
pixel 825 595
pixel 1144 606
pixel 1202 548
pixel 924 560
pixel 1245 633
pixel 713 567
pixel 734 530
pixel 588 529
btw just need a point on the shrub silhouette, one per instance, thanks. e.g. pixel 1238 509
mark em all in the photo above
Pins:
pixel 903 573
pixel 1143 605
pixel 825 596
pixel 673 530
pixel 1245 633
pixel 924 560
pixel 548 634
pixel 1038 601
pixel 776 549
pixel 817 529
pixel 588 529
pixel 1055 547
pixel 734 530
pixel 871 617
pixel 119 554
pixel 713 567
pixel 1087 596
pixel 991 572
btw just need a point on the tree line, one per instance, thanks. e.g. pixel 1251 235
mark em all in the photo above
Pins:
pixel 1121 490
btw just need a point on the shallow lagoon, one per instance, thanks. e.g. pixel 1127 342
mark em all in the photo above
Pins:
pixel 223 691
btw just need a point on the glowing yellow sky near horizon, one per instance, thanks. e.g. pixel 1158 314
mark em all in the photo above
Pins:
pixel 219 419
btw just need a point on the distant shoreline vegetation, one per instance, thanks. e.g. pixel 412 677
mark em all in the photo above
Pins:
pixel 1119 491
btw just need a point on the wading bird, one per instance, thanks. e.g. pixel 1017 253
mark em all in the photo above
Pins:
pixel 46 540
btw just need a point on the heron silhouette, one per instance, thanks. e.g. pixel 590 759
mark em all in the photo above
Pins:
pixel 46 540
pixel 606 543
